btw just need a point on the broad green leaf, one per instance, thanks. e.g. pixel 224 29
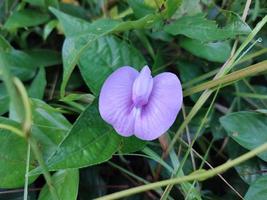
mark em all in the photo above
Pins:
pixel 49 126
pixel 212 51
pixel 4 99
pixel 132 144
pixel 81 35
pixel 105 56
pixel 13 150
pixel 25 18
pixel 37 87
pixel 198 27
pixel 90 141
pixel 258 189
pixel 66 183
pixel 249 129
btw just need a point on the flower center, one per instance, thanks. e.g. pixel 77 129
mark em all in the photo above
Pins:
pixel 142 87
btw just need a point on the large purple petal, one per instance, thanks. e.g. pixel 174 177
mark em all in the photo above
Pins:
pixel 115 101
pixel 162 108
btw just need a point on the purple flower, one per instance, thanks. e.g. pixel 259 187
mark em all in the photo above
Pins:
pixel 136 104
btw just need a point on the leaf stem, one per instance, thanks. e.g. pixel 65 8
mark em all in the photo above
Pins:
pixel 237 75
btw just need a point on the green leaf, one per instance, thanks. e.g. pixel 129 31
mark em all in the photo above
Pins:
pixel 90 141
pixel 105 56
pixel 66 183
pixel 132 144
pixel 25 18
pixel 4 44
pixel 258 189
pixel 212 51
pixel 13 151
pixel 247 128
pixel 140 8
pixel 49 126
pixel 171 7
pixel 4 99
pixel 49 27
pixel 249 169
pixel 81 35
pixel 198 27
pixel 37 87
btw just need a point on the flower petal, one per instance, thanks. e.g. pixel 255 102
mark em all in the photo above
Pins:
pixel 142 87
pixel 162 108
pixel 115 101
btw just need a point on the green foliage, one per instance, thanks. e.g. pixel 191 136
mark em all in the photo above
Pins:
pixel 212 51
pixel 66 183
pixel 105 56
pixel 200 28
pixel 247 128
pixel 47 103
pixel 257 190
pixel 25 18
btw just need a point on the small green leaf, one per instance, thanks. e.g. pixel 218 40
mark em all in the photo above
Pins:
pixel 37 87
pixel 66 183
pixel 25 18
pixel 105 56
pixel 247 128
pixel 212 51
pixel 258 189
pixel 49 27
pixel 198 27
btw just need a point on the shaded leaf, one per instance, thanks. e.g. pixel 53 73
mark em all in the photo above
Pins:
pixel 249 129
pixel 37 87
pixel 257 190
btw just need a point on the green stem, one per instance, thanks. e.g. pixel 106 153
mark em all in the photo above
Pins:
pixel 12 129
pixel 25 196
pixel 38 155
pixel 201 176
pixel 237 75
pixel 27 121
